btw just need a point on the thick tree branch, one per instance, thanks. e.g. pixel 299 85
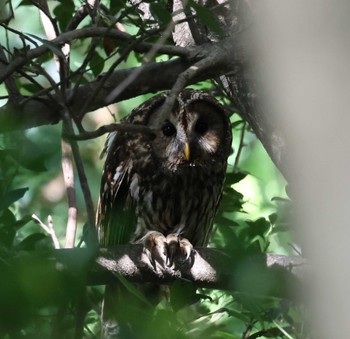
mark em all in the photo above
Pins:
pixel 153 77
pixel 211 268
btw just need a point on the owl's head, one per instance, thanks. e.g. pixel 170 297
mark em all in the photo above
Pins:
pixel 195 133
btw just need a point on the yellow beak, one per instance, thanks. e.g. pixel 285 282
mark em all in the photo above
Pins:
pixel 187 151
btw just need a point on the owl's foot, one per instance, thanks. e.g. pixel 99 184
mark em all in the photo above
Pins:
pixel 166 250
pixel 178 248
pixel 155 247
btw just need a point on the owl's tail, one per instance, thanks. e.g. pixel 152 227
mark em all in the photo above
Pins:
pixel 128 310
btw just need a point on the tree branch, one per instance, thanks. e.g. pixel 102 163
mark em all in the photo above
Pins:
pixel 211 268
pixel 153 77
pixel 89 33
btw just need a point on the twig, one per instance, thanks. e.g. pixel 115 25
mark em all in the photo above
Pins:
pixel 106 76
pixel 240 146
pixel 10 83
pixel 181 83
pixel 121 127
pixel 66 163
pixel 209 56
pixel 81 175
pixel 149 56
pixel 22 36
pixel 68 175
pixel 48 229
pixel 78 17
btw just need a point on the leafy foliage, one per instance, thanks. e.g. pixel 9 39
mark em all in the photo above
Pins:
pixel 249 222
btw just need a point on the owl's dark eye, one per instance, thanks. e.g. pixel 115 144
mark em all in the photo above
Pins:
pixel 168 129
pixel 201 127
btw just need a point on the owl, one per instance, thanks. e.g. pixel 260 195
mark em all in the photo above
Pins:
pixel 163 188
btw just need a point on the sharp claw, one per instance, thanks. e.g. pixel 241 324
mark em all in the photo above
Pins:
pixel 179 248
pixel 164 251
pixel 173 245
pixel 155 248
pixel 186 248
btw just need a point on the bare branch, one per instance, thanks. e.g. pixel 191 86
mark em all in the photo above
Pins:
pixel 68 129
pixel 68 175
pixel 10 83
pixel 124 127
pixel 212 56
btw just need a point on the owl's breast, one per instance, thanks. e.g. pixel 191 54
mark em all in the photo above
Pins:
pixel 182 202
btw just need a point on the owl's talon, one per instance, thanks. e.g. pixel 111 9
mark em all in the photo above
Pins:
pixel 155 248
pixel 186 248
pixel 178 248
pixel 173 244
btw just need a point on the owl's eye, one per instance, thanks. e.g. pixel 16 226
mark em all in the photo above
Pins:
pixel 168 129
pixel 201 127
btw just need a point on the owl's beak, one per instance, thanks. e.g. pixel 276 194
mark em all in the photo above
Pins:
pixel 187 151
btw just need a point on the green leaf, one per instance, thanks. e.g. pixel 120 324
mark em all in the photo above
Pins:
pixel 160 13
pixel 96 64
pixel 207 17
pixel 132 289
pixel 258 227
pixel 273 218
pixel 30 88
pixel 25 3
pixel 116 5
pixel 20 223
pixel 30 242
pixel 9 226
pixel 12 196
pixel 29 154
pixel 7 231
pixel 223 221
pixel 64 12
pixel 237 123
pixel 233 178
pixel 232 313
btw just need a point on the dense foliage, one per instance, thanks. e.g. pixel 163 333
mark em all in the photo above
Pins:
pixel 253 218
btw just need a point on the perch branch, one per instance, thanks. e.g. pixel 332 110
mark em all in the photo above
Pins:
pixel 211 268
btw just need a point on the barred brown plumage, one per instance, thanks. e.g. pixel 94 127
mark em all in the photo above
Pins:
pixel 162 190
pixel 170 182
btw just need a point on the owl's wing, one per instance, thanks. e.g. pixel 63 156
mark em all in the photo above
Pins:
pixel 116 219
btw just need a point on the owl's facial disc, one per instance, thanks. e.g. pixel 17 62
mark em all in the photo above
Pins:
pixel 187 137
